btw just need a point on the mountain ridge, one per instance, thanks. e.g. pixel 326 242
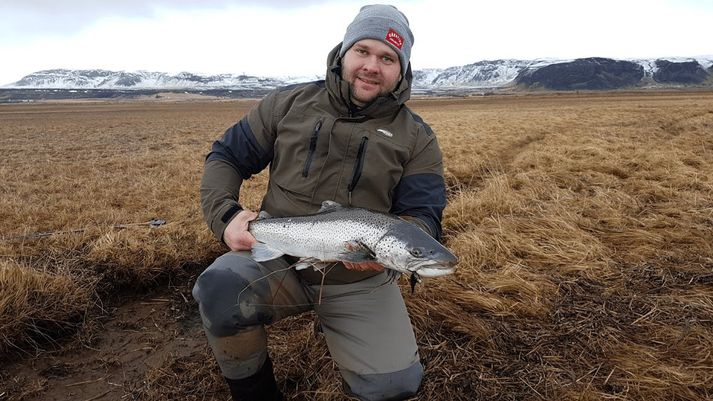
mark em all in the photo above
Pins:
pixel 569 74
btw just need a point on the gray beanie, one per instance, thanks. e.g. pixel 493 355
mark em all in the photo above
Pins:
pixel 384 23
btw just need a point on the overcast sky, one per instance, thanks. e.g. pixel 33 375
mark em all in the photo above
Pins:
pixel 273 37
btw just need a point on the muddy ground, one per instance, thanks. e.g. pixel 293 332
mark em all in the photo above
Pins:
pixel 140 333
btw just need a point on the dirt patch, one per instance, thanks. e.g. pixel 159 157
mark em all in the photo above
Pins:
pixel 111 361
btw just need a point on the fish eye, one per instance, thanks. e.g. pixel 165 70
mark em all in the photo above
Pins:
pixel 416 252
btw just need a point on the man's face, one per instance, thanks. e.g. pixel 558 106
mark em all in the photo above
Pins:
pixel 371 68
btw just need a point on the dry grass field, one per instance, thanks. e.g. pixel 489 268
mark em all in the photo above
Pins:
pixel 584 225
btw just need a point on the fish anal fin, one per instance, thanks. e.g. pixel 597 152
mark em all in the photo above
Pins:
pixel 314 263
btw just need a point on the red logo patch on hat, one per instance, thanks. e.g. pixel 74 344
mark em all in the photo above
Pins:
pixel 394 38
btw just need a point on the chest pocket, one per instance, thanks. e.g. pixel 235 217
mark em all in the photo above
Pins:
pixel 299 148
pixel 376 172
pixel 312 149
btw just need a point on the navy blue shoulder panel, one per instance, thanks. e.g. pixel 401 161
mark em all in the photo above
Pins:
pixel 422 196
pixel 239 147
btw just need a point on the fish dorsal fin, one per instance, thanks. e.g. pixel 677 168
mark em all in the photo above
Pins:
pixel 329 206
pixel 263 215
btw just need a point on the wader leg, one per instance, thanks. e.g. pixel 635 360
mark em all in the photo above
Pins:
pixel 371 339
pixel 237 297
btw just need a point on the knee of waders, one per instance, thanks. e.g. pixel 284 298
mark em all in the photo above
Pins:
pixel 231 296
pixel 384 386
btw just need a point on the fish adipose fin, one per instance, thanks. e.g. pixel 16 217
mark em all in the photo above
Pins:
pixel 329 206
pixel 262 252
pixel 356 252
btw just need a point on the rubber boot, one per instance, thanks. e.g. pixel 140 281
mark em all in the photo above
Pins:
pixel 259 387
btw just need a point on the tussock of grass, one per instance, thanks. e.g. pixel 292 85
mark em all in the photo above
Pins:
pixel 36 306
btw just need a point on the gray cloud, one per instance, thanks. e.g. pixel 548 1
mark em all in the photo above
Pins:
pixel 138 7
pixel 31 18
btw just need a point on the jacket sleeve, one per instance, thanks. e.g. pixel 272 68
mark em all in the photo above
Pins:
pixel 420 195
pixel 220 189
pixel 245 149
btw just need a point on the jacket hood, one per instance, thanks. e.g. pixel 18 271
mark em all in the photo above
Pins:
pixel 339 91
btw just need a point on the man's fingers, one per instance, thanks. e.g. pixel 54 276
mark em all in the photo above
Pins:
pixel 236 234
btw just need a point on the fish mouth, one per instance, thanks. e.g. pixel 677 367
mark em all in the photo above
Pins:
pixel 433 269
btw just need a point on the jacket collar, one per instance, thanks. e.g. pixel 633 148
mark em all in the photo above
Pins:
pixel 381 106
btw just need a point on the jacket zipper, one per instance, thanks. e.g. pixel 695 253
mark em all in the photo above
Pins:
pixel 358 166
pixel 312 147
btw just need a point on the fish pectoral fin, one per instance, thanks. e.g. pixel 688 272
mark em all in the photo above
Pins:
pixel 356 252
pixel 262 252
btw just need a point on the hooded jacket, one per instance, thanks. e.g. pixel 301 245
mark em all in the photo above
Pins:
pixel 318 147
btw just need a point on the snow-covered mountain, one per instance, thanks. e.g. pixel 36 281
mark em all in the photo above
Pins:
pixel 103 79
pixel 503 73
pixel 489 74
pixel 483 74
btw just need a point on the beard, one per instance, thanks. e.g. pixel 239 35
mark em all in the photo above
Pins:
pixel 364 89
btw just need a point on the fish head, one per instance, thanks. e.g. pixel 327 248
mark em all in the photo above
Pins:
pixel 408 249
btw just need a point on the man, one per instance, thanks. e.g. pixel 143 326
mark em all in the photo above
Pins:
pixel 349 139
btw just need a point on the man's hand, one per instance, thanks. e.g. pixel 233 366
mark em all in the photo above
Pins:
pixel 364 266
pixel 236 234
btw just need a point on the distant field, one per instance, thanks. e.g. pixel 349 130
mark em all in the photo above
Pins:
pixel 584 225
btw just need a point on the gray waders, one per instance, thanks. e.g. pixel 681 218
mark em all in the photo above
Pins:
pixel 365 324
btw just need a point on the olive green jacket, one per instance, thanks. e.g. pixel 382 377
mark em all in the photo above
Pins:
pixel 318 147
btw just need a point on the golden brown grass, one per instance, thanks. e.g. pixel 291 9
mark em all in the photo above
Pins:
pixel 584 224
pixel 37 306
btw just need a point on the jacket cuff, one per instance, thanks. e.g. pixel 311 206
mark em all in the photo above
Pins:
pixel 226 213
